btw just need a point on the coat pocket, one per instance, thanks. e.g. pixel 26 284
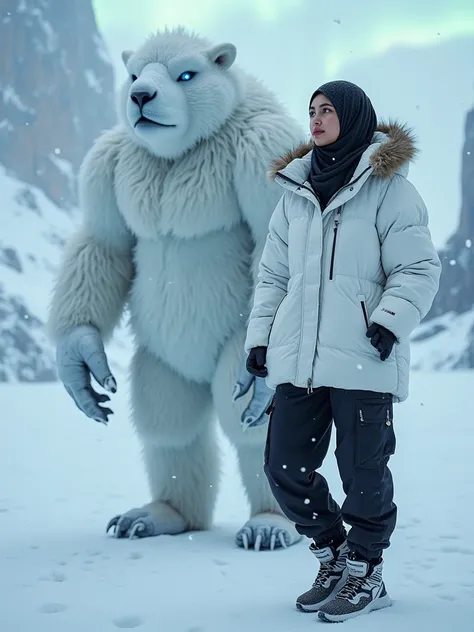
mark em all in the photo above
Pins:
pixel 274 317
pixel 363 306
pixel 375 436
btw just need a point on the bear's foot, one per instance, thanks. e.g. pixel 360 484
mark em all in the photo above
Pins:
pixel 151 520
pixel 267 531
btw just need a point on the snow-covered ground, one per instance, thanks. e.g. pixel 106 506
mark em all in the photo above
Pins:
pixel 62 477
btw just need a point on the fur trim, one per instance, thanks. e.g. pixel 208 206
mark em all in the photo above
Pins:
pixel 386 159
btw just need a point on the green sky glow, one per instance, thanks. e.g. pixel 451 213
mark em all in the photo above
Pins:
pixel 362 33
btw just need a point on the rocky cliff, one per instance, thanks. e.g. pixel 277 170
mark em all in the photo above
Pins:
pixel 56 95
pixel 56 87
pixel 447 334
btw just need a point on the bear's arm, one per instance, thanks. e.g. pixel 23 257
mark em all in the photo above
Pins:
pixel 267 137
pixel 96 270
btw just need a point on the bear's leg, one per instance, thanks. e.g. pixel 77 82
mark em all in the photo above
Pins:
pixel 173 418
pixel 267 528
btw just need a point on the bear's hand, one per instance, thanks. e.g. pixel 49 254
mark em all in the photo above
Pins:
pixel 255 413
pixel 80 354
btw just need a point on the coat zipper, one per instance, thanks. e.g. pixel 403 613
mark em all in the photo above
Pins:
pixel 364 311
pixel 333 252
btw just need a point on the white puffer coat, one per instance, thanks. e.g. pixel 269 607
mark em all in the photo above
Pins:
pixel 324 277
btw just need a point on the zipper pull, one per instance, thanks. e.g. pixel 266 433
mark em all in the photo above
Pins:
pixel 310 386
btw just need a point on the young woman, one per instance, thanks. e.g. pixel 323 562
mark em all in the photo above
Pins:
pixel 348 271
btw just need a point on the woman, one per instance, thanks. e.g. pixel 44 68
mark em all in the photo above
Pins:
pixel 348 271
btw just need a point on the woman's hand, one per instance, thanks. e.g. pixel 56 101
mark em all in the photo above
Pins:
pixel 382 339
pixel 256 361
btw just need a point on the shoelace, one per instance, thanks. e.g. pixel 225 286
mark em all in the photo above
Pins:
pixel 351 587
pixel 324 573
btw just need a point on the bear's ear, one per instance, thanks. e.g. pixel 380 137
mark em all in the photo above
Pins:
pixel 223 55
pixel 126 54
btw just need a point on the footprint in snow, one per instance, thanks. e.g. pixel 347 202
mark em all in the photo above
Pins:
pixel 446 597
pixel 219 563
pixel 55 576
pixel 127 622
pixel 456 549
pixel 52 608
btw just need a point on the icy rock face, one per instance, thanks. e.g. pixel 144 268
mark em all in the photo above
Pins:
pixel 56 96
pixel 56 91
pixel 446 338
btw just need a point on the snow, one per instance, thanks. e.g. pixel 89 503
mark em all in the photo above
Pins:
pixel 92 80
pixel 10 96
pixel 62 477
pixel 33 235
pixel 64 166
pixel 443 350
pixel 5 124
pixel 102 51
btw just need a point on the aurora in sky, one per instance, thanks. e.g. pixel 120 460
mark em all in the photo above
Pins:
pixel 347 31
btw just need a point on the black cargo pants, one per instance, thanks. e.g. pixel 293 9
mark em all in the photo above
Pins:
pixel 298 439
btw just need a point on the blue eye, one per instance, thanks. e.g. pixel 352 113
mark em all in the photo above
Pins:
pixel 186 76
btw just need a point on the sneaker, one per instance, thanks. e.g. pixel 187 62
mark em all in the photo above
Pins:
pixel 363 592
pixel 330 579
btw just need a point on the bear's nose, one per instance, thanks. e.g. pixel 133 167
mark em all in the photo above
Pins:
pixel 140 97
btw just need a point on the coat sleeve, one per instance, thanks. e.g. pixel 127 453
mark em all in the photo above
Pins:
pixel 409 259
pixel 272 279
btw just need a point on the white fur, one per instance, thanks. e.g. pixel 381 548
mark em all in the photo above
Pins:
pixel 190 207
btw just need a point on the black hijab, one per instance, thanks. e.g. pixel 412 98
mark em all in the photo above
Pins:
pixel 333 166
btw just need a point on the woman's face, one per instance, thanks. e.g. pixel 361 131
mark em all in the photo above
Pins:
pixel 323 121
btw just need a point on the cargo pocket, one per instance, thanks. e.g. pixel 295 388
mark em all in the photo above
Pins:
pixel 376 440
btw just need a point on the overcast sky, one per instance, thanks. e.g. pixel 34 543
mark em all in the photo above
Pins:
pixel 413 57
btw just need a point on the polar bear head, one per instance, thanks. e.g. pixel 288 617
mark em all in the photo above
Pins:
pixel 180 90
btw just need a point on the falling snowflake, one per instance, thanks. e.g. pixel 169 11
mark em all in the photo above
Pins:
pixel 307 501
pixel 57 151
pixel 452 262
pixel 303 469
pixel 468 243
pixel 313 439
pixel 284 466
pixel 359 366
pixel 315 515
pixel 173 477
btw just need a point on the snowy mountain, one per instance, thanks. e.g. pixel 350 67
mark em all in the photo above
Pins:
pixel 56 95
pixel 445 340
pixel 57 87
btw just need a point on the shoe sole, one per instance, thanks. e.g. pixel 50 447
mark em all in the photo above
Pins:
pixel 312 608
pixel 377 604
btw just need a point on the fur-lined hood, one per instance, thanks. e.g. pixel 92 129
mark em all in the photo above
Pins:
pixel 393 146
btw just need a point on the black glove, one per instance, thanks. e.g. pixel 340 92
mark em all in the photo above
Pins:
pixel 256 361
pixel 382 339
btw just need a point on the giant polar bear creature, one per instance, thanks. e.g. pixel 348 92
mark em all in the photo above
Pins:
pixel 176 204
